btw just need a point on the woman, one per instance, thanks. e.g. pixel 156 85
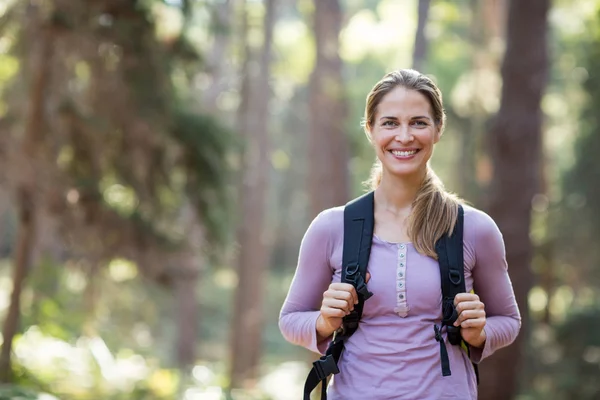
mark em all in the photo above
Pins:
pixel 392 354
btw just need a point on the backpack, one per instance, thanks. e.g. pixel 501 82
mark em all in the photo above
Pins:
pixel 358 234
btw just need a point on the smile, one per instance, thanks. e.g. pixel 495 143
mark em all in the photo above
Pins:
pixel 404 153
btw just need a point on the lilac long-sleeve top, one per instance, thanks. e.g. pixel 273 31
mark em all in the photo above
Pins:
pixel 393 354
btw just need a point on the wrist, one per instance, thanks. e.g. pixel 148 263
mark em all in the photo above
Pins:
pixel 480 341
pixel 324 330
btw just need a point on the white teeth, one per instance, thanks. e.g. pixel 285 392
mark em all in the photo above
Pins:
pixel 403 153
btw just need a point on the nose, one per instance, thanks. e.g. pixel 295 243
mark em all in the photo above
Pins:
pixel 404 136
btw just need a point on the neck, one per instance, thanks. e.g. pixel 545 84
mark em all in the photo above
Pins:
pixel 397 194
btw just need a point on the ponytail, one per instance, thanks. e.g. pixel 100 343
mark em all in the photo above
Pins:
pixel 434 211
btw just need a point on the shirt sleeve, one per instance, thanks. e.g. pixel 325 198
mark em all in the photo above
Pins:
pixel 298 316
pixel 492 284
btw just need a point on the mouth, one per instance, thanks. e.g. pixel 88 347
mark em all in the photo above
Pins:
pixel 404 154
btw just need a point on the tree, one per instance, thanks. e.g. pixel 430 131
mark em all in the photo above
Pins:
pixel 248 317
pixel 103 115
pixel 420 49
pixel 515 141
pixel 328 181
pixel 25 188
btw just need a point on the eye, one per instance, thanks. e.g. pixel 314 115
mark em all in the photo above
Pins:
pixel 420 123
pixel 389 123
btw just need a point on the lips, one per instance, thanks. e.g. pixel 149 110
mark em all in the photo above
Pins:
pixel 404 153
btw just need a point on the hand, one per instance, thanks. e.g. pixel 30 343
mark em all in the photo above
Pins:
pixel 471 318
pixel 338 301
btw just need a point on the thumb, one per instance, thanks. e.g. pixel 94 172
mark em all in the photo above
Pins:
pixel 368 277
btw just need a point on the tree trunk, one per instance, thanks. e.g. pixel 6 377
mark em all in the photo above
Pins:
pixel 420 50
pixel 186 283
pixel 253 257
pixel 480 38
pixel 328 179
pixel 187 318
pixel 515 148
pixel 26 191
pixel 216 60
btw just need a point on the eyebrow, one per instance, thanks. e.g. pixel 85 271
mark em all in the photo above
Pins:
pixel 417 117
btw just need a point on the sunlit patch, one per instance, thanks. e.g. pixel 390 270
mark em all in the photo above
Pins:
pixel 122 270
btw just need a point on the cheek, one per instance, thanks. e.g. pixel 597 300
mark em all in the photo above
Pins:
pixel 382 138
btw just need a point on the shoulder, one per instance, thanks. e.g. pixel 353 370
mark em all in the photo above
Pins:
pixel 328 223
pixel 479 227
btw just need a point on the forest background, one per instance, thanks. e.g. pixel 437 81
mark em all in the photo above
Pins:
pixel 161 160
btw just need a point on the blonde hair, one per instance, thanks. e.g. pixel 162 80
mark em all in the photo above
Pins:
pixel 434 210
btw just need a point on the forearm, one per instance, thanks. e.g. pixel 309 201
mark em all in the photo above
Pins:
pixel 300 328
pixel 500 331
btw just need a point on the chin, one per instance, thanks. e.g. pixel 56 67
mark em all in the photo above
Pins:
pixel 404 172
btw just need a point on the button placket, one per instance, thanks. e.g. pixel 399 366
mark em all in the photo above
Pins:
pixel 401 307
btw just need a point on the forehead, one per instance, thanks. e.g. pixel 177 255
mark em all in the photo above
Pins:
pixel 402 102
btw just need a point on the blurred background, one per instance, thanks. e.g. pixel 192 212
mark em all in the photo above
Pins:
pixel 161 160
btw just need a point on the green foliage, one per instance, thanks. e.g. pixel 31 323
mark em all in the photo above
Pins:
pixel 579 343
pixel 206 148
pixel 11 392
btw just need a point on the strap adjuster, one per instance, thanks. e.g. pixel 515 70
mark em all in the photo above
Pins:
pixel 325 366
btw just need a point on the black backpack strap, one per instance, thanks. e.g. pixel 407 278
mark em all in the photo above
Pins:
pixel 450 257
pixel 359 221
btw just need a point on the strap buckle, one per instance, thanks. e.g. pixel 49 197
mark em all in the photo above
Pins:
pixel 354 277
pixel 325 366
pixel 438 333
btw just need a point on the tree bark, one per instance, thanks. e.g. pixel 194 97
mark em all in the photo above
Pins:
pixel 26 190
pixel 420 50
pixel 248 321
pixel 328 179
pixel 216 59
pixel 187 318
pixel 515 148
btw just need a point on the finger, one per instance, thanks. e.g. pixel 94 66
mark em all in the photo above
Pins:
pixel 341 286
pixel 339 304
pixel 328 312
pixel 339 294
pixel 350 297
pixel 345 287
pixel 474 323
pixel 469 314
pixel 469 305
pixel 465 297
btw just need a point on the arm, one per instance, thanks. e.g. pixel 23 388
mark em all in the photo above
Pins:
pixel 492 283
pixel 300 311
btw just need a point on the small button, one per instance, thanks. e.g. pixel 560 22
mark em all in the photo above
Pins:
pixel 400 285
pixel 401 296
pixel 401 255
pixel 402 246
pixel 400 274
pixel 402 265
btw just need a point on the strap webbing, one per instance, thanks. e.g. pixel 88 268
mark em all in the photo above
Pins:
pixel 359 221
pixel 450 258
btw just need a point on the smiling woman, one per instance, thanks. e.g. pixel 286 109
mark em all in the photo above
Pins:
pixel 393 352
pixel 404 119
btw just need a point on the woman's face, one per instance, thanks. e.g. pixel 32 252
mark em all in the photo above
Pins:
pixel 404 132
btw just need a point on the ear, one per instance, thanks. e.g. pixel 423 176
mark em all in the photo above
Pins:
pixel 438 134
pixel 368 134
